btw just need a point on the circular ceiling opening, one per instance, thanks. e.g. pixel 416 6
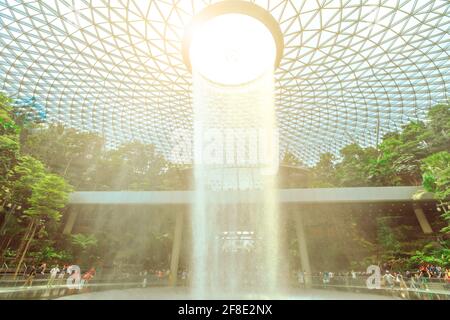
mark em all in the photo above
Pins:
pixel 233 42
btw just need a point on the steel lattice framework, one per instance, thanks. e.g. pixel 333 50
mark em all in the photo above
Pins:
pixel 352 70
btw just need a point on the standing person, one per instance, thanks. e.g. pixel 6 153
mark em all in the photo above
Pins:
pixel 404 292
pixel 160 275
pixel 326 279
pixel 415 284
pixel 301 278
pixel 166 274
pixel 61 275
pixel 438 272
pixel 389 278
pixel 31 274
pixel 144 279
pixel 88 276
pixel 446 278
pixel 40 276
pixel 353 281
pixel 43 268
pixel 53 273
pixel 408 275
pixel 184 277
pixel 413 281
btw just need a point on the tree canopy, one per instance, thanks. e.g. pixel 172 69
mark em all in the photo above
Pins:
pixel 40 164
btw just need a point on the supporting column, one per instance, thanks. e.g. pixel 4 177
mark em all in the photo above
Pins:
pixel 70 221
pixel 422 218
pixel 303 247
pixel 176 249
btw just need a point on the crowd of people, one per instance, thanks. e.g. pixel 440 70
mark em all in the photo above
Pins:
pixel 160 277
pixel 408 284
pixel 57 276
pixel 427 278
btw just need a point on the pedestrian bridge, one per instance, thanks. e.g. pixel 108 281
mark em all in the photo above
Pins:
pixel 305 196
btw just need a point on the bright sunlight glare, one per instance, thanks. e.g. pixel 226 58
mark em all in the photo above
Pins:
pixel 232 49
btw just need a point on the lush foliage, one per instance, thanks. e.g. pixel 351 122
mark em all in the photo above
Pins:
pixel 39 163
pixel 32 198
pixel 414 155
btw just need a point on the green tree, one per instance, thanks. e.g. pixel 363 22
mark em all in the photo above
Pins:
pixel 398 161
pixel 7 123
pixel 438 136
pixel 82 245
pixel 436 179
pixel 71 154
pixel 324 172
pixel 289 159
pixel 18 190
pixel 9 142
pixel 9 152
pixel 132 166
pixel 48 196
pixel 433 253
pixel 354 168
pixel 387 240
pixel 400 154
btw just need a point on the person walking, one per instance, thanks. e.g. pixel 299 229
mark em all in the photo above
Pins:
pixel 31 274
pixel 53 273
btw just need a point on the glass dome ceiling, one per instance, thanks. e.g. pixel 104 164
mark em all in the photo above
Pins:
pixel 352 69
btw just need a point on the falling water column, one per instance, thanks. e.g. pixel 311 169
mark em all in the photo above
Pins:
pixel 232 49
pixel 235 153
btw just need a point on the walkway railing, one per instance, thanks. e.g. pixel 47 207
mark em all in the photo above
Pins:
pixel 10 288
pixel 423 288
